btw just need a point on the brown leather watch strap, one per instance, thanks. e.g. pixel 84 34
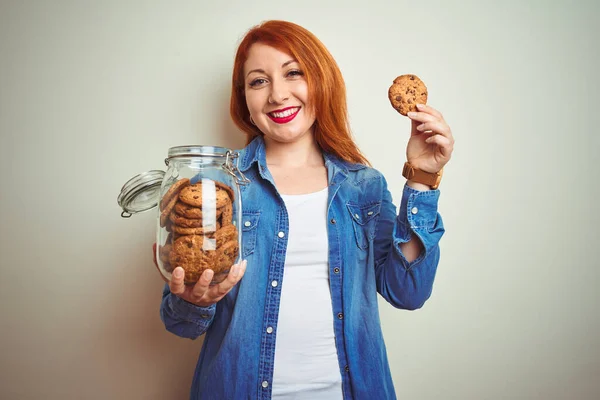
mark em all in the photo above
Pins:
pixel 426 178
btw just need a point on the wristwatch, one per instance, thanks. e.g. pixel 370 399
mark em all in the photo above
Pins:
pixel 420 176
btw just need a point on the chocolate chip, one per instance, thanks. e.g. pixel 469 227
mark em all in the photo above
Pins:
pixel 196 197
pixel 398 98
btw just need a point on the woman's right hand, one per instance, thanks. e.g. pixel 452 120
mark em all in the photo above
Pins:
pixel 202 294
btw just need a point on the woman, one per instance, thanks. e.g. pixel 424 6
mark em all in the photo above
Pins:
pixel 320 237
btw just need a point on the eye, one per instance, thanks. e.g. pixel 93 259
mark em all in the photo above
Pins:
pixel 295 73
pixel 257 82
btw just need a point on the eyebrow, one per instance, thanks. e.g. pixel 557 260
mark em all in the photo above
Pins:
pixel 262 71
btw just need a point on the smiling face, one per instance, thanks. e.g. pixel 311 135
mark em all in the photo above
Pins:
pixel 277 95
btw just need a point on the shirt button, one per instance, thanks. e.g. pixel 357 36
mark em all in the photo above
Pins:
pixel 347 368
pixel 274 283
pixel 333 220
pixel 204 316
pixel 281 234
pixel 414 210
pixel 336 270
pixel 356 216
pixel 247 223
pixel 340 316
pixel 265 384
pixel 270 329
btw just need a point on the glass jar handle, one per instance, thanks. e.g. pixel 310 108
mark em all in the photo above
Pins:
pixel 233 170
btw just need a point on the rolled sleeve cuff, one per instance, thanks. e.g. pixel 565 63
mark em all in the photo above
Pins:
pixel 191 312
pixel 418 210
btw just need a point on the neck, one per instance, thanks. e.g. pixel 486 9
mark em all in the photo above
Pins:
pixel 298 154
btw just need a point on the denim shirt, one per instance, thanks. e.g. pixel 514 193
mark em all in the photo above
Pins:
pixel 364 233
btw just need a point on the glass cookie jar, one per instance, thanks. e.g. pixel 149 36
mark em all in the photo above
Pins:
pixel 199 210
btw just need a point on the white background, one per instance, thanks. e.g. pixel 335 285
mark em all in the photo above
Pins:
pixel 92 93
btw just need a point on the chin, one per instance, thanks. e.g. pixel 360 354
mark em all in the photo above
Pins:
pixel 288 137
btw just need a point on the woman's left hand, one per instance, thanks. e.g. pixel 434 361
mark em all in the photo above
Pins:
pixel 431 143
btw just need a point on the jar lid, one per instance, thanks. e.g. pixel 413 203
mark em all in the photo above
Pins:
pixel 198 150
pixel 210 154
pixel 141 193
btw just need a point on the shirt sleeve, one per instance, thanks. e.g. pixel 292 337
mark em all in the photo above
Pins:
pixel 405 284
pixel 183 318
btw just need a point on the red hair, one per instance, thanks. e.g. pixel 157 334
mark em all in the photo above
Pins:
pixel 326 88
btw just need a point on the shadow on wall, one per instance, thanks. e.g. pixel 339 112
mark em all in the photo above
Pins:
pixel 132 347
pixel 230 136
pixel 141 350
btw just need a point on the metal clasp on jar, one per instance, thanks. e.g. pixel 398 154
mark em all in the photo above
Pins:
pixel 233 170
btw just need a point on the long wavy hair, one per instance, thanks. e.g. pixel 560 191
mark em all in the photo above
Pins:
pixel 326 87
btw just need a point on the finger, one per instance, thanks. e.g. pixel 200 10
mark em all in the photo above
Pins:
pixel 242 271
pixel 430 110
pixel 416 120
pixel 435 126
pixel 176 284
pixel 445 145
pixel 413 129
pixel 234 276
pixel 420 116
pixel 244 265
pixel 203 283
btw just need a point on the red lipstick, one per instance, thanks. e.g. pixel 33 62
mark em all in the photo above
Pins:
pixel 286 119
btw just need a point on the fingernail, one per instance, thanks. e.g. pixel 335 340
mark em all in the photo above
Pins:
pixel 209 274
pixel 178 273
pixel 411 114
pixel 235 270
pixel 420 105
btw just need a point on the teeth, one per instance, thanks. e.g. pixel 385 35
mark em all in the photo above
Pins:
pixel 285 113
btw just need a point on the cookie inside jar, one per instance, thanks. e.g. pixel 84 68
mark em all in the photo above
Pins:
pixel 201 233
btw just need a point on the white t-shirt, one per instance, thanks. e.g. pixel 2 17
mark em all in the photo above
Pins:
pixel 306 364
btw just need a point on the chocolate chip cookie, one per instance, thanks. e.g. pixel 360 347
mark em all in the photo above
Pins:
pixel 197 231
pixel 406 92
pixel 191 212
pixel 192 222
pixel 193 195
pixel 173 191
pixel 189 254
pixel 164 215
pixel 202 234
pixel 226 234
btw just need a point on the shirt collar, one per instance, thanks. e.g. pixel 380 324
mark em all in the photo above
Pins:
pixel 254 152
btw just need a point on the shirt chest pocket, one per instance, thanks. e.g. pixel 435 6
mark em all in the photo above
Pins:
pixel 249 231
pixel 364 219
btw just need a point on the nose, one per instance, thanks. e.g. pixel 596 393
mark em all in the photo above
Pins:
pixel 279 92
